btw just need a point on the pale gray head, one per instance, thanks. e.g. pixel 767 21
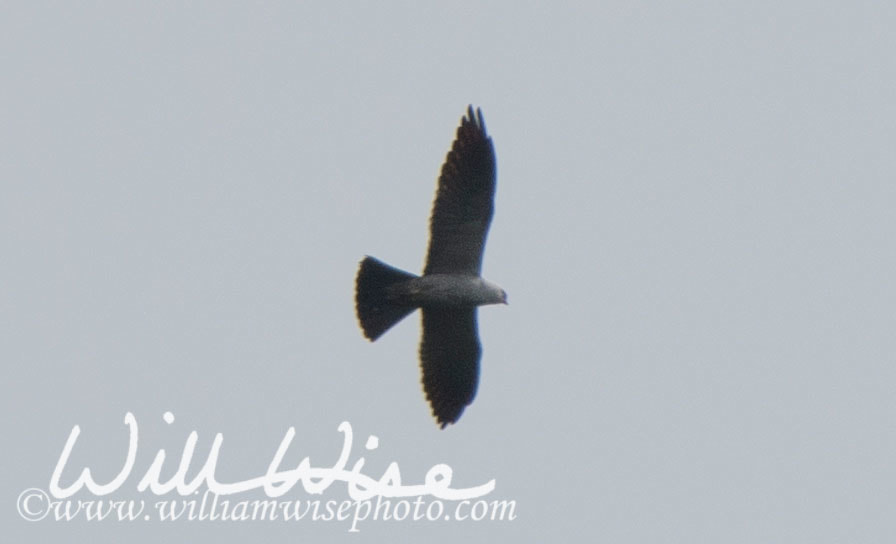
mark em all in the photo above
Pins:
pixel 493 293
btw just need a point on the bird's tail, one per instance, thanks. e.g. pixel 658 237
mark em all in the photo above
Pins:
pixel 378 309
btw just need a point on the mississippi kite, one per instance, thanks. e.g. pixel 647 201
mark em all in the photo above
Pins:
pixel 450 288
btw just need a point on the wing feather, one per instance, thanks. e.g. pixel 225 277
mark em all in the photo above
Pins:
pixel 464 201
pixel 449 357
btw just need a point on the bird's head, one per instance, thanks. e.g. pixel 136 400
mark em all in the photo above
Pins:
pixel 495 295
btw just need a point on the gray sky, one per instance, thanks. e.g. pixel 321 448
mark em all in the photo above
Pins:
pixel 694 224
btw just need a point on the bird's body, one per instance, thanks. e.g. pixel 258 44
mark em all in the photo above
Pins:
pixel 451 291
pixel 451 288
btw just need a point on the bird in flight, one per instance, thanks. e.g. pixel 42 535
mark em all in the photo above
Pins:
pixel 451 288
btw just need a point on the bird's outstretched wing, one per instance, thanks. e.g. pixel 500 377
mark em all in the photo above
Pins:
pixel 464 201
pixel 449 356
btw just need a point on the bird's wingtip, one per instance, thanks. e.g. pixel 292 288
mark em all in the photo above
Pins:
pixel 475 117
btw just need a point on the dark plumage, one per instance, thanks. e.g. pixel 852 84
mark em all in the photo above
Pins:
pixel 450 288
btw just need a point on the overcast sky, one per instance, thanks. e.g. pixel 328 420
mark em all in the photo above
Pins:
pixel 694 225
